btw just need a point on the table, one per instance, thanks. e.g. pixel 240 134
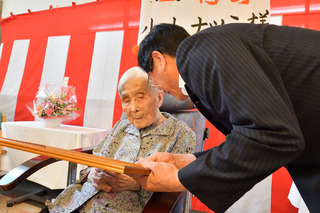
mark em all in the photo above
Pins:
pixel 55 175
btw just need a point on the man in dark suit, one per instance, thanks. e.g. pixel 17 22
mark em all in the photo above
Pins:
pixel 260 86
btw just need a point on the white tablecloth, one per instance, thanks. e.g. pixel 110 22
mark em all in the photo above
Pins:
pixel 53 176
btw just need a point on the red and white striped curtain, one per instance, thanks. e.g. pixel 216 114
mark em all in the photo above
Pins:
pixel 91 44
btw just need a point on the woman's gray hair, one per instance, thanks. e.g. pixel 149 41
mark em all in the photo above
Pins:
pixel 135 72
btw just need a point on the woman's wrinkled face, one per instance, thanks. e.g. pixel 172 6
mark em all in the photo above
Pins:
pixel 140 103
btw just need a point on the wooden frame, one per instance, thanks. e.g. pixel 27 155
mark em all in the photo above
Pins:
pixel 76 157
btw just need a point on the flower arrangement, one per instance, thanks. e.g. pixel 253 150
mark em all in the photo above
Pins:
pixel 54 101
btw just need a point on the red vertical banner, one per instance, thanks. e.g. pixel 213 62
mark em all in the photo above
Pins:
pixel 31 78
pixel 78 68
pixel 128 60
pixel 281 183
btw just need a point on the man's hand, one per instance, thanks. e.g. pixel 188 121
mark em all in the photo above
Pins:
pixel 111 181
pixel 164 171
pixel 178 160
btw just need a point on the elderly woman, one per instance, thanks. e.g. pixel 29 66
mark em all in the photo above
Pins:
pixel 145 131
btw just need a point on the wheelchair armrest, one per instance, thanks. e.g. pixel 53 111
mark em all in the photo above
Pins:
pixel 24 170
pixel 162 202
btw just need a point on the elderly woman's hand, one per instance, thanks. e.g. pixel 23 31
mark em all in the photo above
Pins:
pixel 122 182
pixel 111 182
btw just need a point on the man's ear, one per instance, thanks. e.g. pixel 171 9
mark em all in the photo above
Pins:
pixel 159 59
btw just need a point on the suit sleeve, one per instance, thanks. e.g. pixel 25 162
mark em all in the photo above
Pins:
pixel 237 83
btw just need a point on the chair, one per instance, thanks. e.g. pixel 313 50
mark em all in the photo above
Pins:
pixel 160 201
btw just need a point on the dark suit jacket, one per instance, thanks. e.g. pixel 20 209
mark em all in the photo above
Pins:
pixel 259 85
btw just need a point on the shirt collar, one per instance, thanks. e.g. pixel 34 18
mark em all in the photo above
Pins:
pixel 182 86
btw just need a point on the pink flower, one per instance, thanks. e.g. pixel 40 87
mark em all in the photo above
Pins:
pixel 60 102
pixel 49 111
pixel 69 107
pixel 64 111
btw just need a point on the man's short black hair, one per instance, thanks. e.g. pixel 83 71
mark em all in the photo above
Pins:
pixel 164 38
